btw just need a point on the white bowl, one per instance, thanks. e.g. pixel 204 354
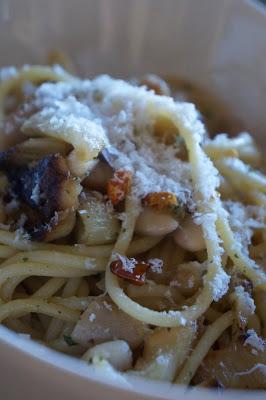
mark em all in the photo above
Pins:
pixel 217 43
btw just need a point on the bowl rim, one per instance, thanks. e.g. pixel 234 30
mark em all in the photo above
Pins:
pixel 80 370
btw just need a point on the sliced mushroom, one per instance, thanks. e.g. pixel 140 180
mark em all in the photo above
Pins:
pixel 47 193
pixel 236 366
pixel 155 223
pixel 103 321
pixel 46 186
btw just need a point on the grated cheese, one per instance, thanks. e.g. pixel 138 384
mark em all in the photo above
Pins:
pixel 128 264
pixel 255 341
pixel 125 116
pixel 156 265
pixel 108 306
pixel 244 220
pixel 92 317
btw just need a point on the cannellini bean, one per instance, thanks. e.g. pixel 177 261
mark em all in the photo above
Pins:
pixel 117 352
pixel 190 236
pixel 153 223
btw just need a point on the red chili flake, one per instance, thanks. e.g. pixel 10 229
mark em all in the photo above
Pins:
pixel 118 186
pixel 160 200
pixel 130 269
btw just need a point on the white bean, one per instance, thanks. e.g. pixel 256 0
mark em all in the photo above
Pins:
pixel 154 223
pixel 117 352
pixel 190 236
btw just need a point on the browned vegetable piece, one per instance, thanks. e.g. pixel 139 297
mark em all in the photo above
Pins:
pixel 46 186
pixel 154 82
pixel 236 366
pixel 103 321
pixel 58 227
pixel 98 177
pixel 47 193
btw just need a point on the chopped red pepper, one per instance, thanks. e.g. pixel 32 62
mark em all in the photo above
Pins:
pixel 130 269
pixel 160 200
pixel 118 186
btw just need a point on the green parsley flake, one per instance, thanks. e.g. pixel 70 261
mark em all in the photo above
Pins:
pixel 69 341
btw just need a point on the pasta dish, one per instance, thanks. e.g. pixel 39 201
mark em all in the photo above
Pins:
pixel 129 236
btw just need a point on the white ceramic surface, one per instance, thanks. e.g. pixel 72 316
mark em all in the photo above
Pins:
pixel 218 43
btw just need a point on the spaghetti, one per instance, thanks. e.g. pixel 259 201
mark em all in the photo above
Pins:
pixel 123 222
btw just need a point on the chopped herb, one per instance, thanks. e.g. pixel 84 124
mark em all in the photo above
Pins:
pixel 25 259
pixel 124 230
pixel 69 340
pixel 236 256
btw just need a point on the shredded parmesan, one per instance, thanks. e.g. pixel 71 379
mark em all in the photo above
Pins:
pixel 92 317
pixel 156 265
pixel 255 341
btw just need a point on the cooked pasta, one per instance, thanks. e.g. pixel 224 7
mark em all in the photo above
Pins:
pixel 129 236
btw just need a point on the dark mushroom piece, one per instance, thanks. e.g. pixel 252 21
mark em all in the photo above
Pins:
pixel 47 193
